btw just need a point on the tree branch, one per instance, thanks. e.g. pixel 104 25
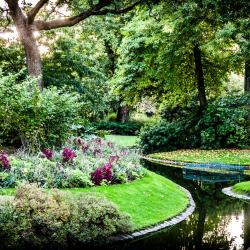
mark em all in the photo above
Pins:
pixel 96 9
pixel 34 11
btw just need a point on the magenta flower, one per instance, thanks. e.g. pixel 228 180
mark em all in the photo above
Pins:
pixel 68 154
pixel 4 161
pixel 103 173
pixel 48 153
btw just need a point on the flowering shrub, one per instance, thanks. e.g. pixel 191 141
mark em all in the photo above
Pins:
pixel 80 163
pixel 48 153
pixel 68 154
pixel 4 161
pixel 101 174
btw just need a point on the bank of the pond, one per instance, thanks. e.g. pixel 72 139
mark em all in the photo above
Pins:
pixel 148 201
pixel 242 188
pixel 223 156
pixel 230 192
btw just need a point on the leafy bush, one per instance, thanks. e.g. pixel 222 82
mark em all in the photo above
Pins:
pixel 166 136
pixel 224 124
pixel 34 118
pixel 38 219
pixel 80 163
pixel 127 128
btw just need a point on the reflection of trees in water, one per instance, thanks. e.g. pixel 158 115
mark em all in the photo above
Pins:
pixel 247 226
pixel 207 227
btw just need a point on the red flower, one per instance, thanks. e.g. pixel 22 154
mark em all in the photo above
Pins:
pixel 68 154
pixel 4 161
pixel 48 153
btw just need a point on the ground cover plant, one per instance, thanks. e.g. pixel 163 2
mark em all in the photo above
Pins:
pixel 226 156
pixel 79 163
pixel 242 188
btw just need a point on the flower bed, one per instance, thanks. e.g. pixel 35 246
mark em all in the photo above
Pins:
pixel 79 163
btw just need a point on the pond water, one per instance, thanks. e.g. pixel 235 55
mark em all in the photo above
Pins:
pixel 219 222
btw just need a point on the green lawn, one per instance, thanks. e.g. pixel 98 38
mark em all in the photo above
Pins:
pixel 226 156
pixel 242 187
pixel 148 201
pixel 123 140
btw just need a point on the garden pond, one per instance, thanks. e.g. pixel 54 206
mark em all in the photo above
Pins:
pixel 219 222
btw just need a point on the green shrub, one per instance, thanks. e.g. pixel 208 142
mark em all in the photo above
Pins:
pixel 166 136
pixel 118 128
pixel 224 124
pixel 38 219
pixel 34 118
pixel 96 219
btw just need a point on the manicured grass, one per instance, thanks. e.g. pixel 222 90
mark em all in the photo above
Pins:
pixel 123 140
pixel 242 188
pixel 148 201
pixel 226 156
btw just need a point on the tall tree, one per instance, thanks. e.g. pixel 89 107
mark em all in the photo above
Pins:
pixel 27 21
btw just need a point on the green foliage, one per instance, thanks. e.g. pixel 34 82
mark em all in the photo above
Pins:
pixel 37 119
pixel 79 65
pixel 37 219
pixel 156 58
pixel 224 124
pixel 55 172
pixel 118 128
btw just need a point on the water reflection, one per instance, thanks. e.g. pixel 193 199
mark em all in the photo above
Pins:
pixel 218 222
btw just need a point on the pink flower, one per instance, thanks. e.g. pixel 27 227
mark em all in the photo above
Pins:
pixel 48 153
pixel 114 158
pixel 98 141
pixel 4 161
pixel 68 154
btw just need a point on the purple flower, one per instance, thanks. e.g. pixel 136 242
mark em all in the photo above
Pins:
pixel 103 173
pixel 68 154
pixel 85 147
pixel 97 151
pixel 4 161
pixel 78 141
pixel 113 158
pixel 98 141
pixel 48 153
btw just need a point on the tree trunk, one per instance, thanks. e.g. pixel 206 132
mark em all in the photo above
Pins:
pixel 26 36
pixel 200 77
pixel 122 114
pixel 247 77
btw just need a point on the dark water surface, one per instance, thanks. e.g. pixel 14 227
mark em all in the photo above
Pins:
pixel 219 222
